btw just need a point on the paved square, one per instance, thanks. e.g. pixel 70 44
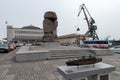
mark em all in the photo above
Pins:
pixel 43 70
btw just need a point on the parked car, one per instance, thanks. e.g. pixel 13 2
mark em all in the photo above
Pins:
pixel 4 48
pixel 116 49
pixel 13 45
pixel 11 48
pixel 19 44
pixel 28 44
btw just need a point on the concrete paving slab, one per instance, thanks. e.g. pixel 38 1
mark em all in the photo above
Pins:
pixel 9 77
pixel 3 74
pixel 36 70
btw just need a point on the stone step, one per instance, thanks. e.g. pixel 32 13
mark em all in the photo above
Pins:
pixel 62 57
pixel 68 54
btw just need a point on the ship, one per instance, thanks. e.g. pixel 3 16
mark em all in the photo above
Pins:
pixel 85 60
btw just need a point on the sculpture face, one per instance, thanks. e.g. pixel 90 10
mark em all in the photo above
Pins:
pixel 50 26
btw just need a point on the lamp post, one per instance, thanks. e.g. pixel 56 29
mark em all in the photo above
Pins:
pixel 78 36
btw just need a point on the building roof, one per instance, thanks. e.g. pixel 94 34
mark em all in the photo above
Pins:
pixel 31 27
pixel 71 35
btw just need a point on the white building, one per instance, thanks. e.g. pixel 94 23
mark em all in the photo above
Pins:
pixel 27 34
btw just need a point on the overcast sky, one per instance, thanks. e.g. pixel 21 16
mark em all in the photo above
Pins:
pixel 21 13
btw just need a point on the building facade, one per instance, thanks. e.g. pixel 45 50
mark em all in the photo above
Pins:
pixel 72 38
pixel 27 34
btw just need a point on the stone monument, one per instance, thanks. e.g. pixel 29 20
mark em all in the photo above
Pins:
pixel 50 24
pixel 50 48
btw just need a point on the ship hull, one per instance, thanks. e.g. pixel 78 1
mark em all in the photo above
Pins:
pixel 79 62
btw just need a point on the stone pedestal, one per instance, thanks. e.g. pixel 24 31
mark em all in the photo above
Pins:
pixel 53 50
pixel 100 71
pixel 51 44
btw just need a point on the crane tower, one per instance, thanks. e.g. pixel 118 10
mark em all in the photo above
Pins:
pixel 90 22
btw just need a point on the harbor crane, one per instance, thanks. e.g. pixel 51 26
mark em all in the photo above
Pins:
pixel 90 22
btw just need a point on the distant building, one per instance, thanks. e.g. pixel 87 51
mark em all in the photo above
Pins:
pixel 1 41
pixel 72 38
pixel 27 34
